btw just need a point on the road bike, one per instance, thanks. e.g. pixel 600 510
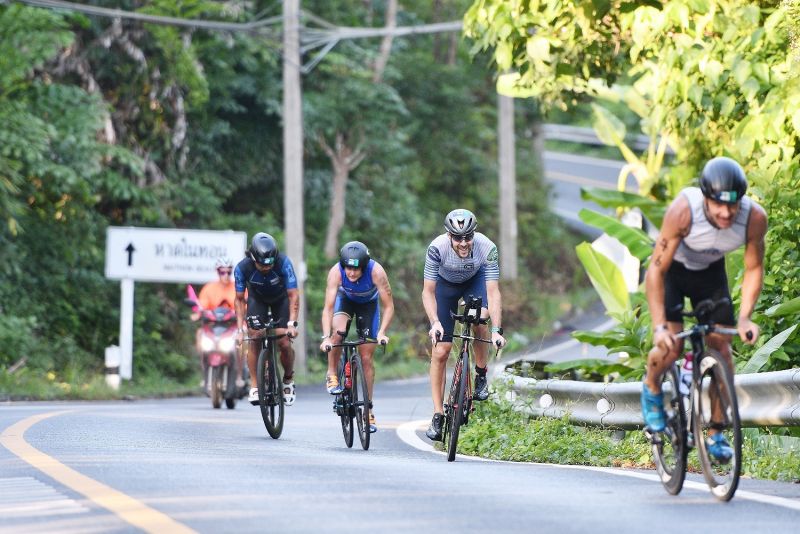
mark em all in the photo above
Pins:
pixel 270 394
pixel 692 413
pixel 353 403
pixel 458 404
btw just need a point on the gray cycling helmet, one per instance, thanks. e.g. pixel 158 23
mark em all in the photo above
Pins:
pixel 263 249
pixel 723 180
pixel 354 254
pixel 460 222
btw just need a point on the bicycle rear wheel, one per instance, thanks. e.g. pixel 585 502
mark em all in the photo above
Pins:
pixel 270 396
pixel 716 410
pixel 345 407
pixel 458 394
pixel 669 447
pixel 361 400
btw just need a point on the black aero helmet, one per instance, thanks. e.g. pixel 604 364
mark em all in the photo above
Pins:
pixel 460 222
pixel 723 180
pixel 263 249
pixel 354 254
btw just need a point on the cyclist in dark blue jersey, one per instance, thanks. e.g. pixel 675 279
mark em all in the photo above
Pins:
pixel 268 276
pixel 355 286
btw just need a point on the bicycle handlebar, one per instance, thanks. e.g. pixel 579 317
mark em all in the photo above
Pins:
pixel 361 341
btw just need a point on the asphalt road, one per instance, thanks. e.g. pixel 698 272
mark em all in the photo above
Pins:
pixel 172 466
pixel 179 466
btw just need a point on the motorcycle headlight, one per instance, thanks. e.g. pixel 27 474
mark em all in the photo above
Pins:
pixel 207 344
pixel 226 344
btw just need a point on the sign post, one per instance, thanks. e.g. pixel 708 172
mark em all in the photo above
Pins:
pixel 161 255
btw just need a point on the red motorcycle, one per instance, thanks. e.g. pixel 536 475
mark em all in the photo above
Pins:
pixel 220 357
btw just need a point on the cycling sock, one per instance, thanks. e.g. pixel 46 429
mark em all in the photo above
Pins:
pixel 480 370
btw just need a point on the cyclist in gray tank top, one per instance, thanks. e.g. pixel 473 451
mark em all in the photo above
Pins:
pixel 707 243
pixel 700 226
pixel 459 263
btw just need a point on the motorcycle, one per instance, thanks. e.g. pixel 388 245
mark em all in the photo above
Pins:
pixel 220 357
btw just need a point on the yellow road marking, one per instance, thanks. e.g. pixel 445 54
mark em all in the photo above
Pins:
pixel 125 507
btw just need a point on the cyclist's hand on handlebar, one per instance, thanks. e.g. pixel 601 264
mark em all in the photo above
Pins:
pixel 382 339
pixel 498 340
pixel 436 332
pixel 325 346
pixel 292 333
pixel 664 339
pixel 748 331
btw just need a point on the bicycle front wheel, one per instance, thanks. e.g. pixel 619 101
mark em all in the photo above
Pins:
pixel 270 396
pixel 458 396
pixel 361 400
pixel 716 411
pixel 345 404
pixel 670 447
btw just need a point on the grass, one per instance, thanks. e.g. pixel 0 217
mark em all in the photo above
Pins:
pixel 496 431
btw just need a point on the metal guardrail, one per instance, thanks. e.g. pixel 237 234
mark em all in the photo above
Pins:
pixel 765 399
pixel 587 136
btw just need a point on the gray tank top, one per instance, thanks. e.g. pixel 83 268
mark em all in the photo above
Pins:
pixel 706 243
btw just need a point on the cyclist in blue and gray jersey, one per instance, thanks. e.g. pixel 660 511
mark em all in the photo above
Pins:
pixel 459 263
pixel 702 225
pixel 355 286
pixel 271 285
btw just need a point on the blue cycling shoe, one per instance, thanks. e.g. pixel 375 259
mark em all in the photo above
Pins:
pixel 653 410
pixel 719 448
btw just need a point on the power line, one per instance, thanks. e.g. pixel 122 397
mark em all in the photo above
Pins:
pixel 155 19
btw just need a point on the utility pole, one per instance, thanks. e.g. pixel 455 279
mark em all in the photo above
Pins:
pixel 294 229
pixel 508 188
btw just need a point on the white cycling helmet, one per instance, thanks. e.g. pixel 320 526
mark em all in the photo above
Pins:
pixel 223 261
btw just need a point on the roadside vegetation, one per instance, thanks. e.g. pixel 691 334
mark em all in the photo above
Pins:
pixel 498 432
pixel 116 122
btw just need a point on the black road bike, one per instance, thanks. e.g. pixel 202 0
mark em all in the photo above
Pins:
pixel 270 385
pixel 693 414
pixel 458 404
pixel 353 403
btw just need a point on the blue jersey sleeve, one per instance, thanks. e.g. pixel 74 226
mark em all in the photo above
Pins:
pixel 287 273
pixel 238 279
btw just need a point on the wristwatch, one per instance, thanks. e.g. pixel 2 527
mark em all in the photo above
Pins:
pixel 498 329
pixel 292 323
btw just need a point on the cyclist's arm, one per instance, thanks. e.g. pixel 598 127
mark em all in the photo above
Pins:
pixel 676 226
pixel 240 305
pixel 331 289
pixel 753 279
pixel 495 302
pixel 294 303
pixel 429 301
pixel 381 281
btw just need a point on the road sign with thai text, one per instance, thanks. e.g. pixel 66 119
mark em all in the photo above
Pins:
pixel 169 255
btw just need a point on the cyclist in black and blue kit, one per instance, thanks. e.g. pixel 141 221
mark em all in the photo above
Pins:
pixel 459 263
pixel 355 286
pixel 268 276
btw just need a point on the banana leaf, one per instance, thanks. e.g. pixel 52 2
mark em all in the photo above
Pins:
pixel 762 355
pixel 637 242
pixel 611 198
pixel 789 307
pixel 605 277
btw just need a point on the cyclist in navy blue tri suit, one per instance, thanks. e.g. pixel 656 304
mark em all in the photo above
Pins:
pixel 355 286
pixel 268 276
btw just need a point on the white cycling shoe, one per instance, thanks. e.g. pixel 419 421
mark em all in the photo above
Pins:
pixel 253 397
pixel 288 394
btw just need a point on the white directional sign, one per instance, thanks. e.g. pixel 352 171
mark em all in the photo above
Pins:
pixel 169 255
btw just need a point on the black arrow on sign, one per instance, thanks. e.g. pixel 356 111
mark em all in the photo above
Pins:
pixel 130 248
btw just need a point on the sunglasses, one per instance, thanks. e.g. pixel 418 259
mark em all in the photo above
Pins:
pixel 224 271
pixel 461 238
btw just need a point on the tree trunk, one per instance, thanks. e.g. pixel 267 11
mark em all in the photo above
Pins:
pixel 343 160
pixel 386 43
pixel 437 40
